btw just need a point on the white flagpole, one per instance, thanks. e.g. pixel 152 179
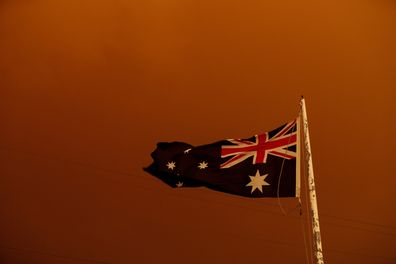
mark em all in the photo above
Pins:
pixel 311 186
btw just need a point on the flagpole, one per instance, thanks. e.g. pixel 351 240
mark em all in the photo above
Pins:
pixel 311 186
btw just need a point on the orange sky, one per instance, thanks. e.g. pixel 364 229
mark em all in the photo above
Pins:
pixel 89 87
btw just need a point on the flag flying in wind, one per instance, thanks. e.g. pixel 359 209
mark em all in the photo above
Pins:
pixel 264 165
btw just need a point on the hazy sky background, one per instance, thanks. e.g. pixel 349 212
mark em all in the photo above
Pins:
pixel 87 88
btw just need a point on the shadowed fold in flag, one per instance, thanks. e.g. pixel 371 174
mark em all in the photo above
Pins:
pixel 265 165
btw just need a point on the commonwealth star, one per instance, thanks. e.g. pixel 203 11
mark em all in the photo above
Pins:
pixel 257 182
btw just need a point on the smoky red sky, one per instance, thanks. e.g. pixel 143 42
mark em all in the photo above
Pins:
pixel 87 89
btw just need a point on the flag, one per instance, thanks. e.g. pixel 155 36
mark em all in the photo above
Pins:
pixel 264 165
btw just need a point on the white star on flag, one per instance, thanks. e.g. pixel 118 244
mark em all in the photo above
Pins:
pixel 171 165
pixel 257 181
pixel 187 150
pixel 203 165
pixel 179 184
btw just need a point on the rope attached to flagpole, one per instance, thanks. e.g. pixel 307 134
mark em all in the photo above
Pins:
pixel 280 176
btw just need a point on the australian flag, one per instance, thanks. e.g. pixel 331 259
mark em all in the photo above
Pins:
pixel 264 165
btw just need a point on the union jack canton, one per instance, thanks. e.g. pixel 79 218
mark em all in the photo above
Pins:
pixel 262 146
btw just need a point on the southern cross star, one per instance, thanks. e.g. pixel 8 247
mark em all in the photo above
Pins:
pixel 187 150
pixel 257 181
pixel 171 165
pixel 203 165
